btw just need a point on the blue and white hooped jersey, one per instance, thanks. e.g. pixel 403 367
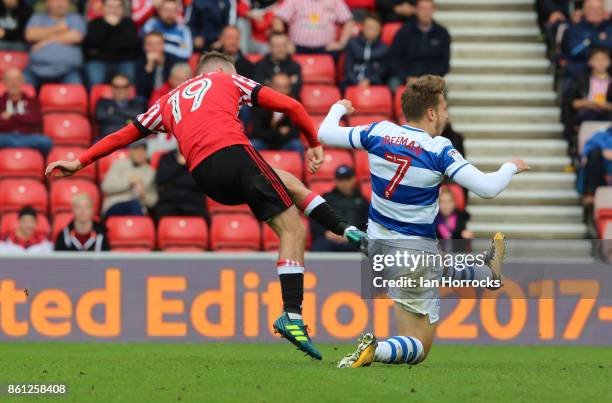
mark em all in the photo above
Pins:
pixel 407 166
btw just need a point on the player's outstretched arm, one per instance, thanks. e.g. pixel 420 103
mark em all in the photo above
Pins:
pixel 489 185
pixel 102 148
pixel 330 131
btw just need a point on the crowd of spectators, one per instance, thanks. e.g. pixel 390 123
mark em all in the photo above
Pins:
pixel 144 49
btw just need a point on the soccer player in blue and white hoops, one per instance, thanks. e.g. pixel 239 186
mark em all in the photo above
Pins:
pixel 407 165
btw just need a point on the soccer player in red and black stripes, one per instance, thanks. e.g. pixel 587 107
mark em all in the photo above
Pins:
pixel 202 114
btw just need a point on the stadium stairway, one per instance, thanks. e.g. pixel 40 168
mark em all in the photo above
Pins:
pixel 502 99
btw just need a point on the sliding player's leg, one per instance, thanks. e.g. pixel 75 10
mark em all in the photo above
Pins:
pixel 292 234
pixel 315 207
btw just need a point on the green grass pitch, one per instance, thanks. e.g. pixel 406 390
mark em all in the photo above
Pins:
pixel 279 373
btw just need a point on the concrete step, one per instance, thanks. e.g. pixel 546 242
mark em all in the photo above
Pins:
pixel 509 130
pixel 499 82
pixel 498 51
pixel 537 163
pixel 531 214
pixel 487 18
pixel 485 5
pixel 527 230
pixel 502 98
pixel 543 180
pixel 522 148
pixel 495 66
pixel 497 114
pixel 542 197
pixel 495 34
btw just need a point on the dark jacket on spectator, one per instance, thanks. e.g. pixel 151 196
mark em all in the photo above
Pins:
pixel 207 19
pixel 243 66
pixel 415 53
pixel 262 128
pixel 112 115
pixel 109 43
pixel 26 116
pixel 365 60
pixel 265 69
pixel 546 7
pixel 14 20
pixel 578 41
pixel 354 209
pixel 178 192
pixel 145 82
pixel 387 12
pixel 97 241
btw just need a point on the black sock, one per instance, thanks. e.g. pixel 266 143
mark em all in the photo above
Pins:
pixel 327 217
pixel 292 289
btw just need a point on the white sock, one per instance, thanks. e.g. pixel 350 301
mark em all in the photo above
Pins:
pixel 399 350
pixel 294 316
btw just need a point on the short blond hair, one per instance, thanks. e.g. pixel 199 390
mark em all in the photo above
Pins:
pixel 422 94
pixel 82 197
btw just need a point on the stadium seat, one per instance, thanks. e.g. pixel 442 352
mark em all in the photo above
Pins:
pixel 333 159
pixel 218 208
pixel 587 130
pixel 156 157
pixel 234 232
pixel 317 99
pixel 321 187
pixel 362 165
pixel 178 233
pixel 63 98
pixel 28 90
pixel 194 60
pixel 60 221
pixel 105 163
pixel 388 32
pixel 67 129
pixel 358 120
pixel 10 59
pixel 603 203
pixel 131 233
pixel 21 163
pixel 254 57
pixel 375 99
pixel 9 223
pixel 290 161
pixel 397 102
pixel 62 191
pixel 17 193
pixel 70 153
pixel 272 242
pixel 366 190
pixel 458 194
pixel 103 91
pixel 317 68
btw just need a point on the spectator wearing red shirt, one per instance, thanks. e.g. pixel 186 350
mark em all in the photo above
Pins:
pixel 312 24
pixel 25 239
pixel 20 116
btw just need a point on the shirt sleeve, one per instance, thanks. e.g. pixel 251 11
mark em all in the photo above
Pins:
pixel 248 89
pixel 286 10
pixel 332 134
pixel 151 120
pixel 450 161
pixel 343 13
pixel 77 22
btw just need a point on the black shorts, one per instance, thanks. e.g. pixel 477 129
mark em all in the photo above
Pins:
pixel 238 174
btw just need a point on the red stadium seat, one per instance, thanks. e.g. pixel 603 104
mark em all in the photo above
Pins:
pixel 131 233
pixel 17 193
pixel 63 98
pixel 218 208
pixel 358 120
pixel 194 60
pixel 27 90
pixel 333 159
pixel 21 163
pixel 321 187
pixel 458 194
pixel 62 191
pixel 182 232
pixel 236 232
pixel 11 59
pixel 361 4
pixel 70 153
pixel 375 99
pixel 397 102
pixel 290 161
pixel 105 163
pixel 254 57
pixel 9 223
pixel 103 91
pixel 317 68
pixel 366 190
pixel 362 165
pixel 156 157
pixel 67 129
pixel 60 221
pixel 271 241
pixel 603 203
pixel 317 99
pixel 388 32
